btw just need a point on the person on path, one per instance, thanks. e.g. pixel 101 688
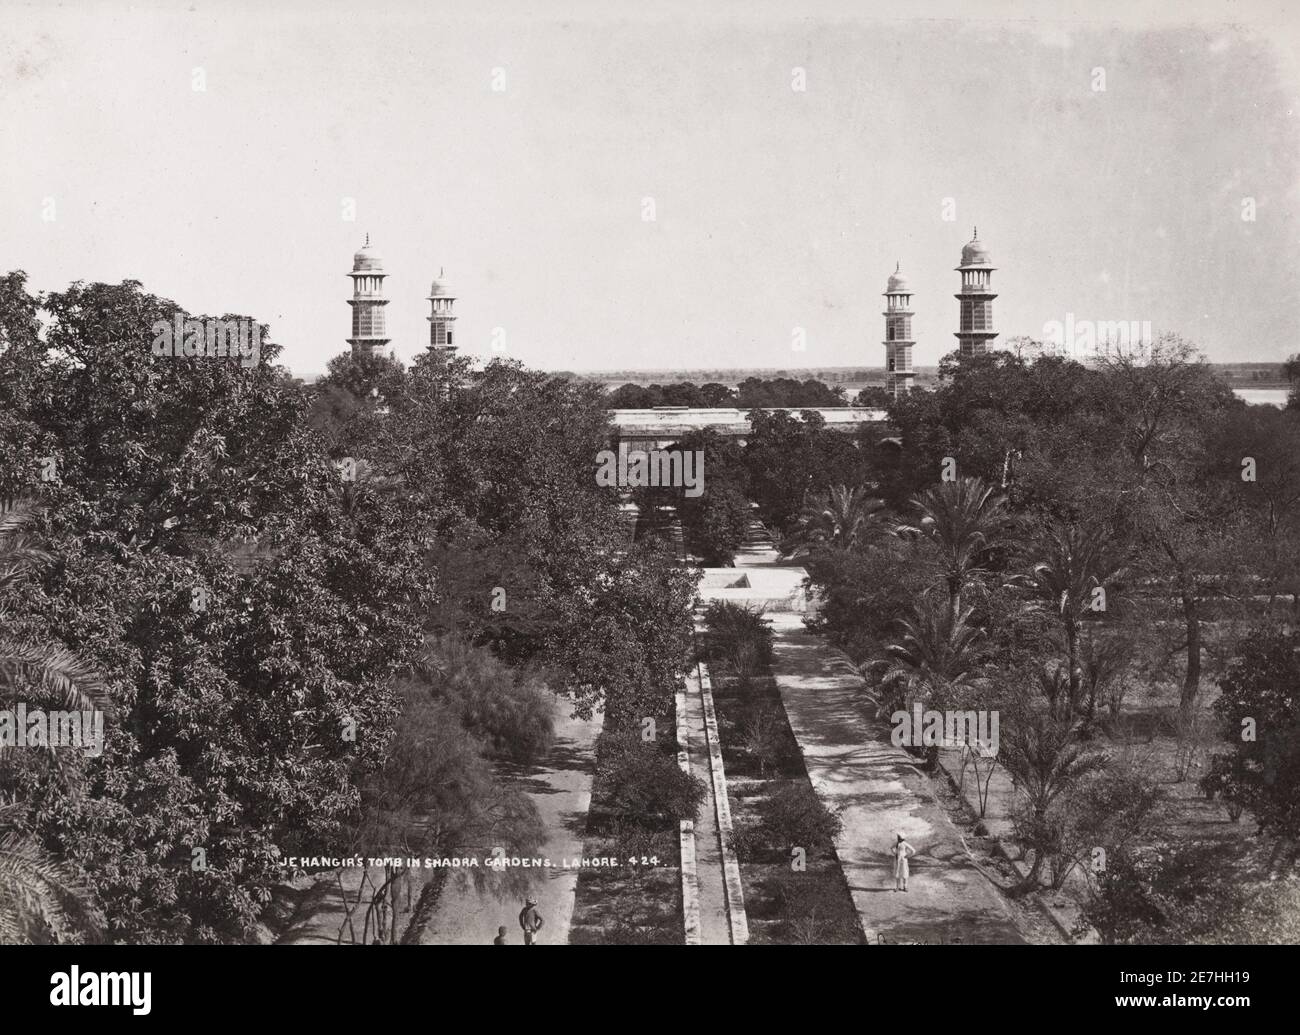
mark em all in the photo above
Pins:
pixel 500 939
pixel 902 852
pixel 530 920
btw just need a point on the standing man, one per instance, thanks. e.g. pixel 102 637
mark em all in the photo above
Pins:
pixel 902 852
pixel 530 920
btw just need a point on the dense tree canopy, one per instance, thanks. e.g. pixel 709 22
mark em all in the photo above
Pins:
pixel 267 575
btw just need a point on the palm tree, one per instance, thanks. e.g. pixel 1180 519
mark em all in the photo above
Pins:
pixel 39 897
pixel 1072 565
pixel 842 517
pixel 1046 759
pixel 47 669
pixel 1103 660
pixel 932 658
pixel 933 652
pixel 965 519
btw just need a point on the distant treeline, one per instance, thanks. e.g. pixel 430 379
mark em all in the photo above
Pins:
pixel 750 393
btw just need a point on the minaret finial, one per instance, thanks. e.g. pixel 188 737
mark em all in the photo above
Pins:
pixel 976 235
pixel 897 266
pixel 367 244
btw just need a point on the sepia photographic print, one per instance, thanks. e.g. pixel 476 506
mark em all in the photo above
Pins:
pixel 666 474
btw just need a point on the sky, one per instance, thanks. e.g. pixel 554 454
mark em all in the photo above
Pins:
pixel 515 145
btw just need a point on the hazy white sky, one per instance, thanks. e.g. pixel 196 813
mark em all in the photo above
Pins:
pixel 775 208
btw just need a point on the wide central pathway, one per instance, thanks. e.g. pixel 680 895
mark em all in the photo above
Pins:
pixel 560 787
pixel 875 787
pixel 880 793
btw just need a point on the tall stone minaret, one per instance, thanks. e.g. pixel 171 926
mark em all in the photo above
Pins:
pixel 368 330
pixel 976 299
pixel 441 317
pixel 898 335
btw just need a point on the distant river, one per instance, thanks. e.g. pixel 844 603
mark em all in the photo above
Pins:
pixel 1262 396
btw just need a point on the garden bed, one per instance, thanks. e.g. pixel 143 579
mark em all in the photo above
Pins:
pixel 765 774
pixel 632 903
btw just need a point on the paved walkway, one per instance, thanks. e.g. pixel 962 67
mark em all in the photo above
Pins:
pixel 879 792
pixel 325 908
pixel 854 769
pixel 560 787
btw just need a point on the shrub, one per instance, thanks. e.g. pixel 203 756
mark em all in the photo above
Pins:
pixel 813 911
pixel 794 817
pixel 643 784
pixel 739 637
pixel 763 736
pixel 511 711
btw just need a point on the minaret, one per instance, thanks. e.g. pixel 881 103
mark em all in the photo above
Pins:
pixel 898 335
pixel 976 299
pixel 368 301
pixel 441 317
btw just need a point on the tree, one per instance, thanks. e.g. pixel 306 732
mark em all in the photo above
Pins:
pixel 715 522
pixel 966 520
pixel 932 655
pixel 987 412
pixel 787 457
pixel 1259 708
pixel 1155 393
pixel 756 392
pixel 717 525
pixel 1291 370
pixel 46 670
pixel 1161 399
pixel 348 403
pixel 631 397
pixel 1072 567
pixel 842 517
pixel 1047 760
pixel 715 395
pixel 437 795
pixel 236 678
pixel 863 593
pixel 1106 813
pixel 1263 443
pixel 41 897
pixel 509 457
pixel 873 397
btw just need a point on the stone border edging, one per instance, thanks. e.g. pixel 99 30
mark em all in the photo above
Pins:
pixel 736 918
pixel 686 838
